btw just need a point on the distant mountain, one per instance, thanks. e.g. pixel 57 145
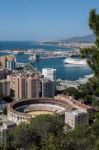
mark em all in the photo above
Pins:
pixel 84 39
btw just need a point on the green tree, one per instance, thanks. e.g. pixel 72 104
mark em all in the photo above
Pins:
pixel 71 91
pixel 90 91
pixel 95 128
pixel 96 145
pixel 92 54
pixel 5 111
pixel 24 137
pixel 94 24
pixel 45 124
pixel 51 143
pixel 29 136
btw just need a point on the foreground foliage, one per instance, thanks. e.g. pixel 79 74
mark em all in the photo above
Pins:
pixel 45 132
pixel 88 93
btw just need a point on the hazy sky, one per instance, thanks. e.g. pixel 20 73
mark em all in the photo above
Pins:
pixel 44 19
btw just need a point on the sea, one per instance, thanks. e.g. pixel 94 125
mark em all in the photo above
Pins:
pixel 63 71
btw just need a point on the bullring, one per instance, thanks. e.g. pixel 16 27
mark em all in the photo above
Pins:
pixel 24 110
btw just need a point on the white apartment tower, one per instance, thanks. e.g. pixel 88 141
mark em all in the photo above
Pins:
pixel 49 73
pixel 76 117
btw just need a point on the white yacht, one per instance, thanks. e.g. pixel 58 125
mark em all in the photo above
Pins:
pixel 75 61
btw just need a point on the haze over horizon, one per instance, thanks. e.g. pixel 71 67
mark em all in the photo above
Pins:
pixel 35 20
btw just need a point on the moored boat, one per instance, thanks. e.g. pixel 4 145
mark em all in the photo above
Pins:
pixel 75 61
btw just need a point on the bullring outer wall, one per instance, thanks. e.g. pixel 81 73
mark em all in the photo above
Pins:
pixel 19 117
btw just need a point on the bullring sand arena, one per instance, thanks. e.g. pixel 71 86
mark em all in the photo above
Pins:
pixel 24 110
pixel 40 112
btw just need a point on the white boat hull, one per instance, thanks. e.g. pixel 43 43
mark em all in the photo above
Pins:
pixel 75 61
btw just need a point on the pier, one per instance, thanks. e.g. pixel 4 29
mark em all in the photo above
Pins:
pixel 44 54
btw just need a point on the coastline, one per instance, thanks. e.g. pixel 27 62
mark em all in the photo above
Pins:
pixel 51 59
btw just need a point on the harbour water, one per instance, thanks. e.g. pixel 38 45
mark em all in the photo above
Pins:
pixel 65 72
pixel 30 45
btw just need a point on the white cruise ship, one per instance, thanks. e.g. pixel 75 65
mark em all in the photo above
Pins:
pixel 75 61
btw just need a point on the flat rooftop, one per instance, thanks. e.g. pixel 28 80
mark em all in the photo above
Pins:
pixel 76 112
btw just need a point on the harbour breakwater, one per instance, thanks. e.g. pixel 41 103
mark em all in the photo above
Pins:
pixel 44 54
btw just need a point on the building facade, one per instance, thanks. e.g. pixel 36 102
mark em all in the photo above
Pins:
pixel 4 88
pixel 49 73
pixel 11 65
pixel 5 59
pixel 76 117
pixel 26 87
pixel 33 87
pixel 47 88
pixel 20 87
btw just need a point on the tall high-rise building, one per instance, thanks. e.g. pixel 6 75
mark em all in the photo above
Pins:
pixel 11 65
pixel 26 87
pixel 47 88
pixel 49 73
pixel 5 59
pixel 33 87
pixel 4 88
pixel 21 88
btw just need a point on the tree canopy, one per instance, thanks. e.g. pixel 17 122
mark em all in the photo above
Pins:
pixel 94 24
pixel 46 132
pixel 92 54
